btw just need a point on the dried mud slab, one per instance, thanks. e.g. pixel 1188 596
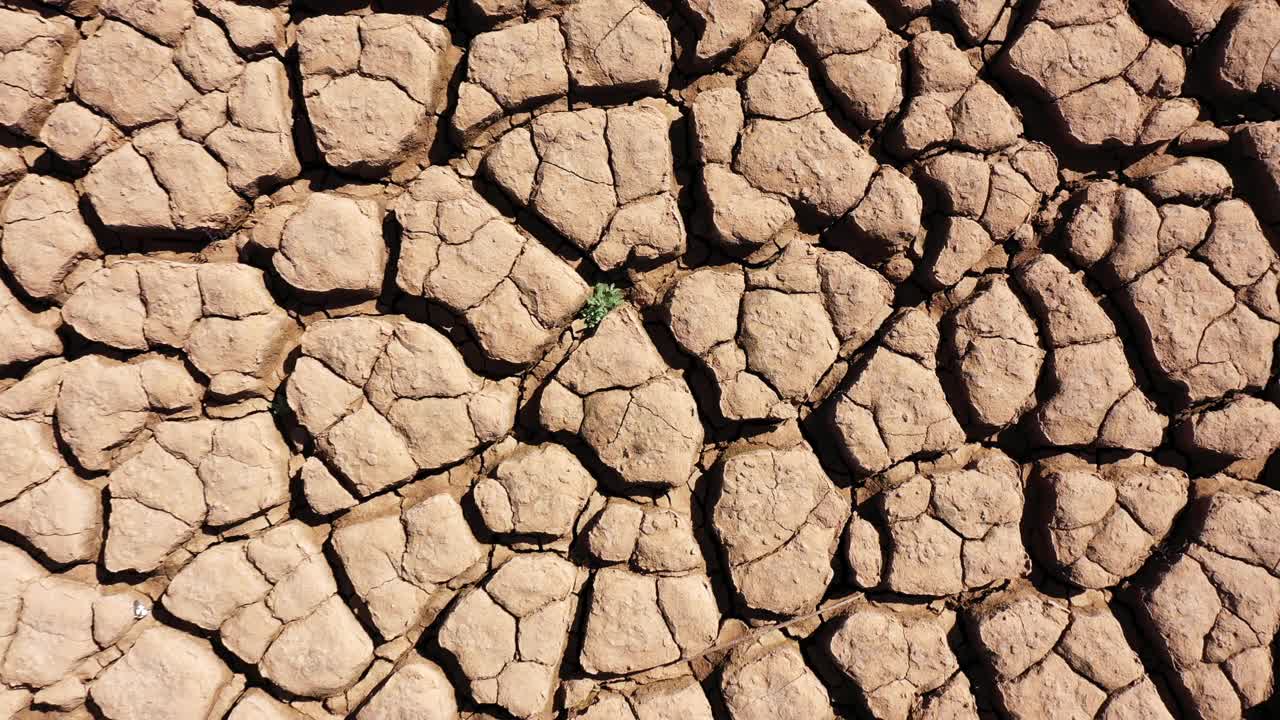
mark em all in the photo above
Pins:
pixel 402 556
pixel 777 520
pixel 770 336
pixel 632 409
pixel 594 47
pixel 1100 523
pixel 374 86
pixel 603 179
pixel 943 531
pixel 1047 657
pixel 637 360
pixel 386 398
pixel 899 659
pixel 1223 590
pixel 458 250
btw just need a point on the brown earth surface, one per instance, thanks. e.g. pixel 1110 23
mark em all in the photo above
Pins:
pixel 944 385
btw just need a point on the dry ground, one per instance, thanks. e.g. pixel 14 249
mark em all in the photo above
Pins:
pixel 944 386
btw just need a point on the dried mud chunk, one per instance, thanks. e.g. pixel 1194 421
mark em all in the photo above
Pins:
pixel 53 632
pixel 1115 233
pixel 312 645
pixel 1196 334
pixel 256 704
pixel 1043 54
pixel 458 250
pixel 23 571
pixel 214 586
pixel 45 240
pixel 535 51
pixel 439 544
pixel 768 678
pixel 1051 659
pixel 723 26
pixel 948 531
pixel 1067 310
pixel 508 635
pixel 895 408
pixel 616 46
pixel 245 357
pixel 421 406
pixel 614 532
pixel 246 470
pixel 780 88
pixel 1186 20
pixel 200 195
pixel 767 312
pixel 635 622
pixel 124 192
pixel 35 56
pixel 103 404
pixel 509 70
pixel 166 20
pixel 960 244
pixel 397 126
pixel 397 557
pixel 256 144
pixel 417 688
pixel 1100 524
pixel 1259 145
pixel 332 245
pixel 681 697
pixel 859 63
pixel 715 122
pixel 809 161
pixel 828 304
pixel 29 450
pixel 220 314
pixel 166 674
pixel 150 519
pixel 540 492
pixel 374 86
pixel 986 200
pixel 602 179
pixel 884 226
pixel 1241 428
pixel 778 521
pixel 109 308
pixel 638 416
pixel 1243 59
pixel 320 654
pixel 1190 180
pixel 896 655
pixel 1094 398
pixel 949 104
pixel 78 135
pixel 996 193
pixel 1107 113
pixel 109 72
pixel 205 56
pixel 162 181
pixel 743 219
pixel 1213 611
pixel 30 335
pixel 649 434
pixel 995 348
pixel 252 29
pixel 1102 76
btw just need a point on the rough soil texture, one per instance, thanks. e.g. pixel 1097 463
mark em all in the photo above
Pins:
pixel 946 384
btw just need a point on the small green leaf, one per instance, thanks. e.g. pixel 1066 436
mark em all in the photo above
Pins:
pixel 604 298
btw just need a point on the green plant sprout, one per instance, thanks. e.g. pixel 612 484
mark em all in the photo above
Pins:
pixel 604 298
